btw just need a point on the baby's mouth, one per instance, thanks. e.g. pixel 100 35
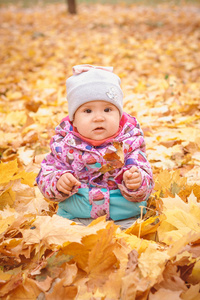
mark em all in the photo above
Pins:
pixel 99 129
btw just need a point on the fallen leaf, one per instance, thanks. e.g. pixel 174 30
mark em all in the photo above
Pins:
pixel 165 294
pixel 45 256
pixel 114 159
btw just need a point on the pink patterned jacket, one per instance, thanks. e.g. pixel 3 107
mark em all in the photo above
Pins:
pixel 71 154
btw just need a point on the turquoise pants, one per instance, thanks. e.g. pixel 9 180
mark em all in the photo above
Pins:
pixel 78 206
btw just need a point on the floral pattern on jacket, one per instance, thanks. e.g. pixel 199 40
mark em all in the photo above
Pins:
pixel 69 153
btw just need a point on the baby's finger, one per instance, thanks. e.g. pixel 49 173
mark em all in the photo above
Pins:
pixel 135 175
pixel 66 192
pixel 134 169
pixel 134 179
pixel 77 183
pixel 134 186
pixel 66 183
pixel 128 175
pixel 125 175
pixel 73 181
pixel 64 188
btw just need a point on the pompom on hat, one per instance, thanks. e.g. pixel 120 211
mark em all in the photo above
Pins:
pixel 90 83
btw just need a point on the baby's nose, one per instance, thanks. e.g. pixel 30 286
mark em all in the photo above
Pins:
pixel 98 117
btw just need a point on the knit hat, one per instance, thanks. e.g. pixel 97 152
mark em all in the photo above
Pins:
pixel 90 83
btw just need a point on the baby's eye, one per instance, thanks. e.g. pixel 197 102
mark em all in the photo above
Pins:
pixel 107 109
pixel 88 111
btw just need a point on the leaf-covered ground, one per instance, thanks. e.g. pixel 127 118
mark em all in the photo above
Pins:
pixel 156 52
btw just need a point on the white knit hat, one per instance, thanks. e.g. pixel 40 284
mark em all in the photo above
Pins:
pixel 90 83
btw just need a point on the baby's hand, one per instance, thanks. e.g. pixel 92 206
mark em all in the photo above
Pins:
pixel 132 178
pixel 66 183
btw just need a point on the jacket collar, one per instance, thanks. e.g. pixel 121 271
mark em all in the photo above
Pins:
pixel 127 125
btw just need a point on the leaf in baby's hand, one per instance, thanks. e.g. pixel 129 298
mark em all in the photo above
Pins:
pixel 115 159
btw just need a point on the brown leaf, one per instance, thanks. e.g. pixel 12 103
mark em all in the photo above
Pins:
pixel 11 284
pixel 60 291
pixel 171 280
pixel 114 160
pixel 165 295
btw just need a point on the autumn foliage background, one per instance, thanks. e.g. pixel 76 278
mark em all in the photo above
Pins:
pixel 156 52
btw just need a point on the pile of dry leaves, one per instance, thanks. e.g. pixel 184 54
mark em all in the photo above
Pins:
pixel 155 51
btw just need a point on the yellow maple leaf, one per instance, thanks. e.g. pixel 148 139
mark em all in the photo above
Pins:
pixel 5 223
pixel 142 228
pixel 169 183
pixel 57 231
pixel 60 291
pixel 26 289
pixel 101 257
pixel 7 171
pixel 135 242
pixel 179 244
pixel 27 177
pixel 51 231
pixel 7 198
pixel 181 219
pixel 29 200
pixel 16 118
pixel 78 251
pixel 152 262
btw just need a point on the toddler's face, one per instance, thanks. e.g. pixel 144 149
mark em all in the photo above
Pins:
pixel 97 120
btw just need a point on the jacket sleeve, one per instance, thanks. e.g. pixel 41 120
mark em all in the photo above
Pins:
pixel 135 155
pixel 52 168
